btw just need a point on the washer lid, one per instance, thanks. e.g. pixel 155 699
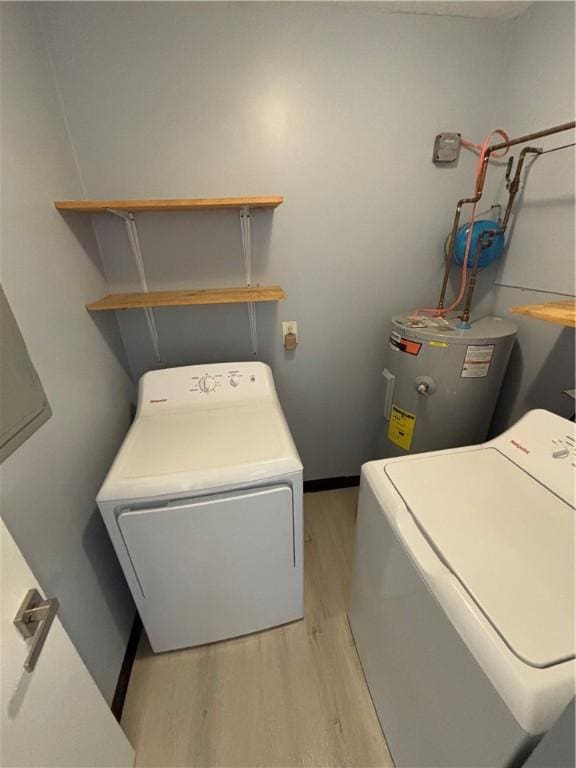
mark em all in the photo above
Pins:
pixel 191 449
pixel 507 538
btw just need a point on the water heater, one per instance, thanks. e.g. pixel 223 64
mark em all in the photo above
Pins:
pixel 442 382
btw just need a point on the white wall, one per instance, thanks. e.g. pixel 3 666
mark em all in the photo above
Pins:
pixel 50 268
pixel 538 92
pixel 334 107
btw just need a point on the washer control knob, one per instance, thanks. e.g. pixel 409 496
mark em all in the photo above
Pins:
pixel 560 453
pixel 207 383
pixel 234 380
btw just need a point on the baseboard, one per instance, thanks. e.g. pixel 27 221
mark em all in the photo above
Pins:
pixel 331 483
pixel 126 669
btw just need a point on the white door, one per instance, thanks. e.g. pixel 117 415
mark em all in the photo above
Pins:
pixel 55 714
pixel 214 567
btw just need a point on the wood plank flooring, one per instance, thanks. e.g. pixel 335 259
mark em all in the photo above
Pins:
pixel 290 696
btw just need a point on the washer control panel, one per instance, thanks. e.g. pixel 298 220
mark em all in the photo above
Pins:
pixel 202 385
pixel 212 382
pixel 563 448
pixel 544 444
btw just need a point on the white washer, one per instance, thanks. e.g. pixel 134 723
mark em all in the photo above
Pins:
pixel 462 604
pixel 204 506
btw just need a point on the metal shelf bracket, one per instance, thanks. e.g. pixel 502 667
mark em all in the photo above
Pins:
pixel 129 220
pixel 245 230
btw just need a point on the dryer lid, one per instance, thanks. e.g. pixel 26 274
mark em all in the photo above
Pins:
pixel 506 537
pixel 196 449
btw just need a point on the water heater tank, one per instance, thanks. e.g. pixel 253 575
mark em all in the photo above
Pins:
pixel 442 382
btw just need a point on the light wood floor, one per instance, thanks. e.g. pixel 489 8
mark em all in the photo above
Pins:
pixel 290 696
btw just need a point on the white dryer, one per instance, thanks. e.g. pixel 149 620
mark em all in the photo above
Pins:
pixel 462 604
pixel 204 506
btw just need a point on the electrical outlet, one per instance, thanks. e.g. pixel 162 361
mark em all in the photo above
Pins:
pixel 289 326
pixel 290 334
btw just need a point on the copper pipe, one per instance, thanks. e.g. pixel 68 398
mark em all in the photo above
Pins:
pixel 450 259
pixel 515 183
pixel 456 222
pixel 501 230
pixel 480 245
pixel 531 137
pixel 480 190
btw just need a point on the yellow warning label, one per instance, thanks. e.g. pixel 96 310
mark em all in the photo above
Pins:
pixel 438 344
pixel 401 427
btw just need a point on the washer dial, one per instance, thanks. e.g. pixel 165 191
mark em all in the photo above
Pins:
pixel 207 383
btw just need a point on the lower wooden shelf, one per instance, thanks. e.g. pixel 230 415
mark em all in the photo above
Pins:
pixel 559 312
pixel 243 295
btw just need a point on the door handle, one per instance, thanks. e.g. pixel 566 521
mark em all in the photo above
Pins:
pixel 34 619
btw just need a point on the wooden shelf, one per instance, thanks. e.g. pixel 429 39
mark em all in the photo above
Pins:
pixel 559 312
pixel 141 206
pixel 242 295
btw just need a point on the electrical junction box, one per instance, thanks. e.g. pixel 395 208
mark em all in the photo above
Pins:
pixel 446 148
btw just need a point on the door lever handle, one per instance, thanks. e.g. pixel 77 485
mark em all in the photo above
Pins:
pixel 34 619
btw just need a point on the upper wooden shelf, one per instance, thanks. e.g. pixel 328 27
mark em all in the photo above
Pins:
pixel 243 295
pixel 141 206
pixel 559 312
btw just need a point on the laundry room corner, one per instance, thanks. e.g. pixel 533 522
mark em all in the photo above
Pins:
pixel 287 383
pixel 49 271
pixel 355 228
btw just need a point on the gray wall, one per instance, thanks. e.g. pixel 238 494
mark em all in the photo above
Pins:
pixel 556 750
pixel 539 92
pixel 49 269
pixel 334 107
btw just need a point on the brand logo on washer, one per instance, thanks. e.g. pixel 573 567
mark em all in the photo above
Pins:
pixel 520 447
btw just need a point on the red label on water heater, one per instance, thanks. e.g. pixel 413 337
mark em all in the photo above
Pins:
pixel 405 345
